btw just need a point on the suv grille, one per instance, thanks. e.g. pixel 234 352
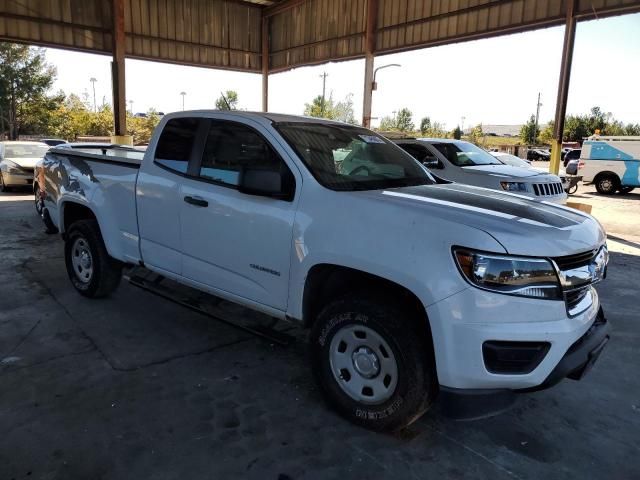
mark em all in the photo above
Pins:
pixel 547 189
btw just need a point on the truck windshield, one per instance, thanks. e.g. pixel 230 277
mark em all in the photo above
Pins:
pixel 465 154
pixel 352 158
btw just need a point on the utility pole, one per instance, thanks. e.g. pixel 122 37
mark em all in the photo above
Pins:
pixel 131 107
pixel 535 129
pixel 462 119
pixel 183 94
pixel 324 85
pixel 93 81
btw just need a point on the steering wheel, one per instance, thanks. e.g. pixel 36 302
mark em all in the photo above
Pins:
pixel 357 169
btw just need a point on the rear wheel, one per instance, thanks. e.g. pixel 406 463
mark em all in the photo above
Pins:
pixel 91 270
pixel 372 364
pixel 607 184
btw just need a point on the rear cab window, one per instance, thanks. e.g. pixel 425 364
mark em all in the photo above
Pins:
pixel 176 144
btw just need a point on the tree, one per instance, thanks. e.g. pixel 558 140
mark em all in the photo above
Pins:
pixel 341 111
pixel 529 132
pixel 576 127
pixel 476 135
pixel 425 125
pixel 231 102
pixel 546 134
pixel 457 132
pixel 25 78
pixel 404 120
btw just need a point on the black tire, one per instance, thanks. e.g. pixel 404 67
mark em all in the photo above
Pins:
pixel 416 383
pixel 607 183
pixel 37 200
pixel 106 272
pixel 3 187
pixel 624 190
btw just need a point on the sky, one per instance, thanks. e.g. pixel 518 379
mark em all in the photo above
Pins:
pixel 491 81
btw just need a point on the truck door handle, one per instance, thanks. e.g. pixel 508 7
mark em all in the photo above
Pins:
pixel 197 201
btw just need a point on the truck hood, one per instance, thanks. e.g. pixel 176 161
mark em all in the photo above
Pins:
pixel 522 226
pixel 25 162
pixel 504 171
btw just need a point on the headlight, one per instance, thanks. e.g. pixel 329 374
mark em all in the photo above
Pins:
pixel 12 167
pixel 522 276
pixel 514 186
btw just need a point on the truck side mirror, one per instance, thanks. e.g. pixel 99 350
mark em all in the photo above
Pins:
pixel 265 182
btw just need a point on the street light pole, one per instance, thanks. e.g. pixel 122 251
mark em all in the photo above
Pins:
pixel 369 91
pixel 93 81
pixel 324 85
pixel 131 107
pixel 183 94
pixel 535 129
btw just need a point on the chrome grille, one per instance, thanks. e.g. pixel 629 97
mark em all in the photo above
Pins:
pixel 547 189
pixel 576 278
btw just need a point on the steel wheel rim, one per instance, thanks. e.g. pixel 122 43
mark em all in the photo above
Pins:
pixel 363 364
pixel 606 184
pixel 82 260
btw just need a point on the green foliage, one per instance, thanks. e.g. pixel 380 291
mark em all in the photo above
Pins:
pixel 141 128
pixel 404 120
pixel 529 132
pixel 231 102
pixel 401 121
pixel 546 135
pixel 341 111
pixel 476 135
pixel 456 133
pixel 425 125
pixel 25 78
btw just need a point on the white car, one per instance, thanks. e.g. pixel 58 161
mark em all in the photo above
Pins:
pixel 514 161
pixel 17 161
pixel 463 162
pixel 411 288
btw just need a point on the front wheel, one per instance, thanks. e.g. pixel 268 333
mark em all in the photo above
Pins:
pixel 607 184
pixel 3 186
pixel 91 270
pixel 372 363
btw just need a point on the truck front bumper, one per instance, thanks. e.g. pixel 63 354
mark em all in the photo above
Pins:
pixel 17 179
pixel 488 347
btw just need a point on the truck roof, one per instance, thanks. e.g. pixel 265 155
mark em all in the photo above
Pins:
pixel 260 116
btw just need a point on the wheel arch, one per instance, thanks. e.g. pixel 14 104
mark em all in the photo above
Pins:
pixel 326 281
pixel 71 212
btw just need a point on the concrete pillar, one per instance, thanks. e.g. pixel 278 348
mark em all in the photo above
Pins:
pixel 118 76
pixel 563 86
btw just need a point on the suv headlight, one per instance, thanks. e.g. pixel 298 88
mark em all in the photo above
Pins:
pixel 522 276
pixel 514 186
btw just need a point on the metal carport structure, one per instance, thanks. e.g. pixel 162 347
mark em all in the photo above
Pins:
pixel 268 36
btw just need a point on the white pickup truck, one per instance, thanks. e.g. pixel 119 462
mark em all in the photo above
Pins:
pixel 410 288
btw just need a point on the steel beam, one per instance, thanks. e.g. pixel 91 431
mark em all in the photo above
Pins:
pixel 563 86
pixel 118 70
pixel 369 57
pixel 265 64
